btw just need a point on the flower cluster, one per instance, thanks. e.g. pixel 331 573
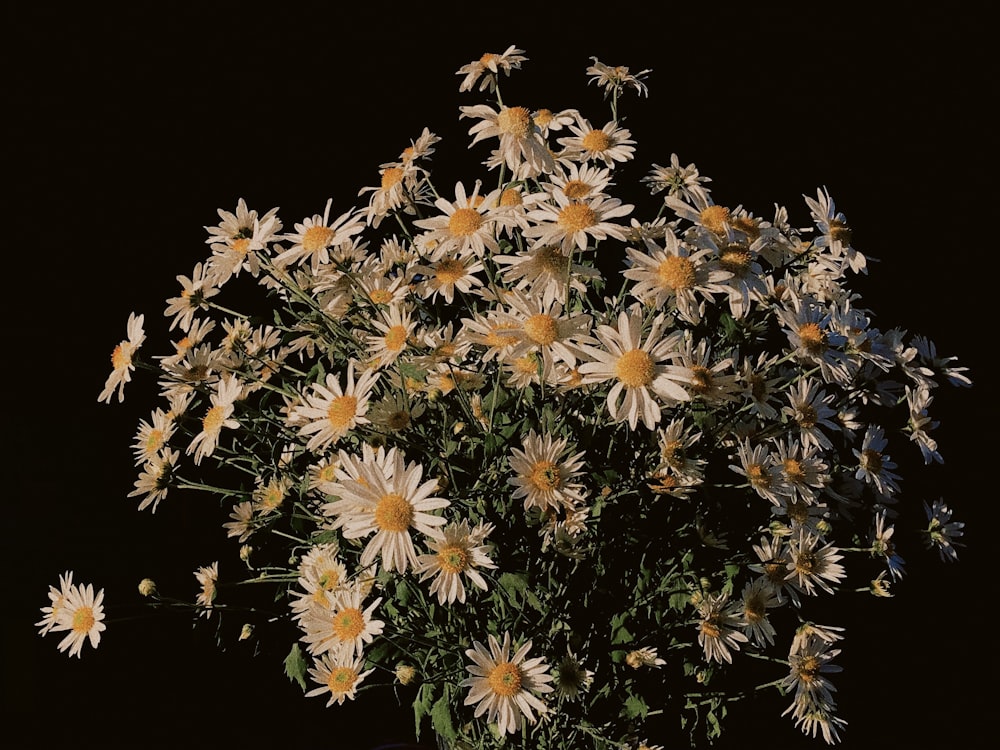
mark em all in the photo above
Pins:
pixel 568 471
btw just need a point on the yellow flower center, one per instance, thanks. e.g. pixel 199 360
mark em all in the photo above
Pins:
pixel 380 296
pixel 83 620
pixel 496 337
pixel 710 628
pixel 329 579
pixel 154 441
pixel 316 238
pixel 545 476
pixel 121 357
pixel 391 177
pixel 871 461
pixel 488 59
pixel 453 559
pixel 515 121
pixel 813 338
pixel 840 232
pixel 543 117
pixel 808 668
pixel 511 197
pixel 551 260
pixel 240 246
pixel 748 226
pixel 213 419
pixel 597 141
pixel 701 380
pixel 576 189
pixel 542 329
pixel 793 469
pixel 635 368
pixel 676 272
pixel 341 680
pixel 327 473
pixel 393 513
pixel 736 259
pixel 272 497
pixel 395 338
pixel 342 411
pixel 449 271
pixel 577 216
pixel 465 221
pixel 806 416
pixel 397 420
pixel 759 476
pixel 348 623
pixel 714 218
pixel 672 453
pixel 505 680
pixel 527 365
pixel 805 563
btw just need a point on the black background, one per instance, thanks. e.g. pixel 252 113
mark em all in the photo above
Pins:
pixel 129 126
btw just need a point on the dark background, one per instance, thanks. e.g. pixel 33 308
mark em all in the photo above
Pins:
pixel 129 126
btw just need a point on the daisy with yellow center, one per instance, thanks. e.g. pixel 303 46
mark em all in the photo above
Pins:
pixel 154 480
pixel 446 276
pixel 330 411
pixel 675 275
pixel 572 224
pixel 79 613
pixel 395 328
pixel 521 145
pixel 196 290
pixel 121 360
pixel 237 239
pixel 387 508
pixel 269 496
pixel 811 566
pixel 608 145
pixel 227 390
pixel 314 237
pixel 488 68
pixel 545 272
pixel 545 330
pixel 321 575
pixel 546 472
pixel 57 602
pixel 639 367
pixel 580 181
pixel 340 625
pixel 720 628
pixel 467 225
pixel 337 676
pixel 456 556
pixel 506 686
pixel 207 577
pixel 153 435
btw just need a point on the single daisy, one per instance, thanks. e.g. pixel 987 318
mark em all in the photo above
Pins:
pixel 395 326
pixel 942 532
pixel 57 601
pixel 338 676
pixel 615 79
pixel 546 472
pixel 153 435
pixel 154 480
pixel 761 468
pixel 329 411
pixel 467 225
pixel 685 183
pixel 640 366
pixel 343 626
pixel 314 237
pixel 220 414
pixel 757 598
pixel 121 360
pixel 447 275
pixel 545 272
pixel 609 145
pixel 207 577
pixel 571 224
pixel 488 68
pixel 720 627
pixel 196 290
pixel 504 685
pixel 241 524
pixel 387 508
pixel 571 678
pixel 82 615
pixel 875 466
pixel 522 148
pixel 458 554
pixel 811 566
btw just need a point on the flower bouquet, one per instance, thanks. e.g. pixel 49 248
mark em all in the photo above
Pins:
pixel 575 472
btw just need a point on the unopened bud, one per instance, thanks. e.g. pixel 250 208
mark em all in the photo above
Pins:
pixel 147 587
pixel 405 674
pixel 246 632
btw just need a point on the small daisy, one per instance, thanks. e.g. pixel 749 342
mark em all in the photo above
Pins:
pixel 488 68
pixel 545 272
pixel 609 145
pixel 342 627
pixel 447 275
pixel 82 614
pixel 242 524
pixel 883 546
pixel 762 470
pixel 220 414
pixel 196 290
pixel 330 411
pixel 155 478
pixel 522 148
pixel 57 602
pixel 313 238
pixel 683 182
pixel 720 628
pixel 757 598
pixel 546 472
pixel 804 472
pixel 208 577
pixel 467 225
pixel 571 224
pixel 549 121
pixel 578 181
pixel 506 686
pixel 646 656
pixel 459 554
pixel 808 406
pixel 387 508
pixel 395 328
pixel 874 465
pixel 639 367
pixel 810 661
pixel 339 677
pixel 396 412
pixel 546 330
pixel 570 677
pixel 811 566
pixel 615 79
pixel 237 240
pixel 835 233
pixel 814 339
pixel 121 360
pixel 153 435
pixel 941 531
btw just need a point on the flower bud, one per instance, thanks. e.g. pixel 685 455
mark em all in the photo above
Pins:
pixel 246 632
pixel 405 674
pixel 147 587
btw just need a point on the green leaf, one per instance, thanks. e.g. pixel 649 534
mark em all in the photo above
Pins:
pixel 295 666
pixel 422 705
pixel 636 707
pixel 441 718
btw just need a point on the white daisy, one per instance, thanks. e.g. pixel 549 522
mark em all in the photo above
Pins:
pixel 208 577
pixel 81 614
pixel 228 389
pixel 155 478
pixel 615 79
pixel 446 276
pixel 609 145
pixel 522 148
pixel 330 411
pixel 338 676
pixel 458 554
pixel 811 566
pixel 467 225
pixel 196 290
pixel 639 367
pixel 395 327
pixel 315 236
pixel 506 686
pixel 387 508
pixel 875 466
pixel 121 360
pixel 488 68
pixel 57 602
pixel 343 626
pixel 545 272
pixel 571 224
pixel 720 628
pixel 546 472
